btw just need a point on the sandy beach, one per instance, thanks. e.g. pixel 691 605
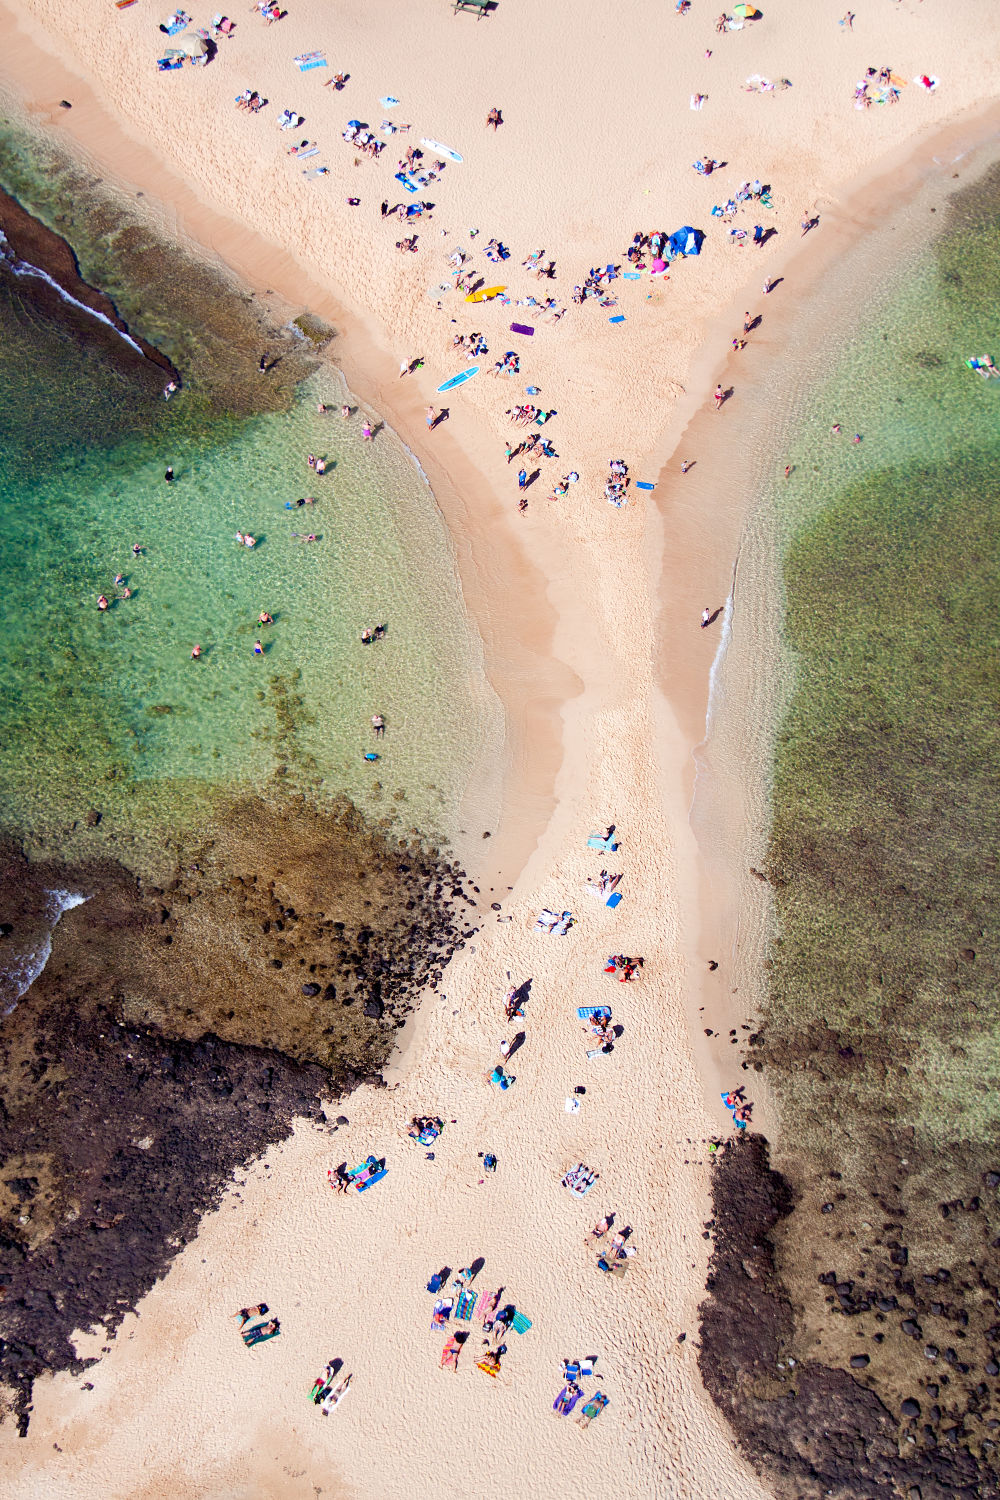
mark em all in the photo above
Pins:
pixel 589 614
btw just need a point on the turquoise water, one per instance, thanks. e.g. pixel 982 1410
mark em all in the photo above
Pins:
pixel 109 710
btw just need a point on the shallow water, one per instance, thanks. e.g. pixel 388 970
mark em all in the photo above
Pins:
pixel 109 710
pixel 861 684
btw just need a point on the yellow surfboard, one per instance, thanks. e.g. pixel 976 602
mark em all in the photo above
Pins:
pixel 485 294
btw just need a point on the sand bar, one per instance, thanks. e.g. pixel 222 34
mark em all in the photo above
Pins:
pixel 178 1399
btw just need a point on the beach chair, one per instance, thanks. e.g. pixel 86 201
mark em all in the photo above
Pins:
pixel 481 7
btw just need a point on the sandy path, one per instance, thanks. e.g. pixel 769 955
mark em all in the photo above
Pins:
pixel 598 143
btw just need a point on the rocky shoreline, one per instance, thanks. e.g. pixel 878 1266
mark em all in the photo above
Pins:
pixel 818 1428
pixel 177 1030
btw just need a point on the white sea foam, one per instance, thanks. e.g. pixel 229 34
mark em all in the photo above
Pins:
pixel 23 968
pixel 25 268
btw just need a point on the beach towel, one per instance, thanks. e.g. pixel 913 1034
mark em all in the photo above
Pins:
pixel 618 318
pixel 642 484
pixel 366 1183
pixel 564 924
pixel 388 101
pixel 307 60
pixel 404 178
pixel 520 1323
pixel 480 1309
pixel 482 1365
pixel 464 1306
pixel 311 151
pixel 572 1105
pixel 631 275
pixel 521 328
pixel 565 1401
pixel 613 899
pixel 586 1011
pixel 598 841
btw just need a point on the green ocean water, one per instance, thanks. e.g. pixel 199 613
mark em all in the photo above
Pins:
pixel 109 710
pixel 878 562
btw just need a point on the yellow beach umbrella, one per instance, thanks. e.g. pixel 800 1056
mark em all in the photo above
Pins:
pixel 486 294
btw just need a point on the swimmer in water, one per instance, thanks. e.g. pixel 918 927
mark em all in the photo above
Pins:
pixel 311 461
pixel 322 409
pixel 102 603
pixel 119 580
pixel 195 652
pixel 258 649
pixel 264 618
pixel 320 466
pixel 126 593
pixel 239 537
pixel 249 541
pixel 378 724
pixel 345 411
pixel 367 636
pixel 168 389
pixel 136 550
pixel 169 475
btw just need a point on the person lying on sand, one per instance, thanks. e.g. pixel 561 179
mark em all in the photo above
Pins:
pixel 246 1313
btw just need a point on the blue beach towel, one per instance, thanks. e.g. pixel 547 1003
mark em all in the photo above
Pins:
pixel 631 275
pixel 403 177
pixel 618 318
pixel 586 1011
pixel 613 899
pixel 641 484
pixel 520 1323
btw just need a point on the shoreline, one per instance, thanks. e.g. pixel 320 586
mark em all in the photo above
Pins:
pixel 532 755
pixel 727 914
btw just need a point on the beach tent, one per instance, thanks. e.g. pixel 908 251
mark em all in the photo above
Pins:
pixel 686 241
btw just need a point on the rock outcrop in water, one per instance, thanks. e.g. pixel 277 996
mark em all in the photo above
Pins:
pixel 177 1030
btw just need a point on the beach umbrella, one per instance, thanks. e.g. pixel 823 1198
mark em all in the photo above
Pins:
pixel 746 12
pixel 192 45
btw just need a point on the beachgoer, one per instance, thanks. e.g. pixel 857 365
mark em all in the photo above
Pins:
pixel 494 118
pixel 747 322
pixel 264 618
pixel 262 366
pixel 195 652
pixel 706 616
pixel 169 474
pixel 718 397
pixel 366 431
pixel 522 478
pixel 169 389
pixel 249 541
pixel 686 465
pixel 136 550
pixel 246 1313
pixel 429 415
pixel 856 438
pixel 768 284
pixel 258 649
pixel 345 411
pixel 378 724
pixel 788 470
pixel 835 429
pixel 102 602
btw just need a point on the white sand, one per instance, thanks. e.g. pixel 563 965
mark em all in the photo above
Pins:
pixel 597 143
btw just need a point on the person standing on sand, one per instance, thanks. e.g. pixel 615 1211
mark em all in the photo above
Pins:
pixel 718 397
pixel 494 118
pixel 706 616
pixel 768 284
pixel 686 465
pixel 429 415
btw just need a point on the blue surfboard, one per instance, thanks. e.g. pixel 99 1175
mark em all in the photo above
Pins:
pixel 450 385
